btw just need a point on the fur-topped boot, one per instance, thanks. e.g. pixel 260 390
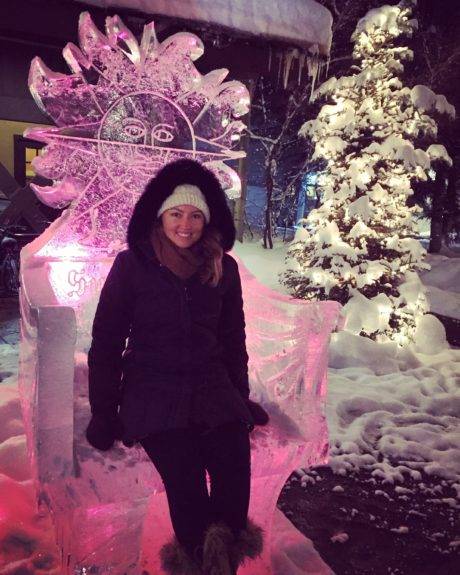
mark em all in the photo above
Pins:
pixel 176 561
pixel 218 544
pixel 223 552
pixel 248 545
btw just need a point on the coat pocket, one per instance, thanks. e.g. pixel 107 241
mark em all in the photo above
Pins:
pixel 148 402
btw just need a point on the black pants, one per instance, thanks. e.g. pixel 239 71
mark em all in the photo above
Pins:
pixel 182 458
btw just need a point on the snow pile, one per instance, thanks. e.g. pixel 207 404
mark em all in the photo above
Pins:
pixel 393 410
pixel 442 283
pixel 26 538
pixel 437 152
pixel 368 315
pixel 340 538
pixel 430 336
pixel 426 100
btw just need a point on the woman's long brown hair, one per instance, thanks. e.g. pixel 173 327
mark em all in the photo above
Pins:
pixel 210 249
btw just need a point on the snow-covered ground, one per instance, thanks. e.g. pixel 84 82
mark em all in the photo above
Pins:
pixel 393 411
pixel 443 284
pixel 26 537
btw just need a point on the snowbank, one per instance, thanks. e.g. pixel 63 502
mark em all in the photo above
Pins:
pixel 442 283
pixel 393 410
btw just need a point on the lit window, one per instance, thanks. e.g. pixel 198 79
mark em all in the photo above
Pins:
pixel 31 153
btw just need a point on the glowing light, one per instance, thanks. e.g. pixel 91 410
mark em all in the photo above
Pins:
pixel 75 282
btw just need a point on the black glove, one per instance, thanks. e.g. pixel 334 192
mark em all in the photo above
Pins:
pixel 259 415
pixel 102 432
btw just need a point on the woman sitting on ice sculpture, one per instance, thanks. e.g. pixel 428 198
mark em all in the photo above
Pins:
pixel 180 386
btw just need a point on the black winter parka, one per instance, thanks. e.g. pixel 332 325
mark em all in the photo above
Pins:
pixel 166 352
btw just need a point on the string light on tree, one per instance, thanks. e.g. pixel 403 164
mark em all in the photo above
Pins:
pixel 358 247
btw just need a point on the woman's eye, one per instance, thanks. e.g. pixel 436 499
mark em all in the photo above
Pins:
pixel 163 133
pixel 133 128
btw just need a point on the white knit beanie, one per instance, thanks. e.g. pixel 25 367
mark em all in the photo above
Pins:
pixel 186 195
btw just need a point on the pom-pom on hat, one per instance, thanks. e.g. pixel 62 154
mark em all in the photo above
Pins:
pixel 186 195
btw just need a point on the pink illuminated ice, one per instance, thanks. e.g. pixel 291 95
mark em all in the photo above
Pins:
pixel 125 111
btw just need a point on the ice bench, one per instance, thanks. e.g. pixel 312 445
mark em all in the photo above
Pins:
pixel 99 502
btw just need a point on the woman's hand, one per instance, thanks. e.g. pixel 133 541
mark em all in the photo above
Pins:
pixel 102 432
pixel 258 413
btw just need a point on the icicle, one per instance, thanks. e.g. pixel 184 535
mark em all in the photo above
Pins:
pixel 287 65
pixel 269 58
pixel 279 68
pixel 301 66
pixel 321 66
pixel 313 67
pixel 327 64
pixel 312 64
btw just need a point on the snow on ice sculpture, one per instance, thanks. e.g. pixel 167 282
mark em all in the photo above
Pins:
pixel 125 111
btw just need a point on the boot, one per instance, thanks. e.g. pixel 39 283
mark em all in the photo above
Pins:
pixel 247 545
pixel 223 552
pixel 218 542
pixel 176 561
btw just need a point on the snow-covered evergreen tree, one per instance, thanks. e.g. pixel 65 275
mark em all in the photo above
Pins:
pixel 358 247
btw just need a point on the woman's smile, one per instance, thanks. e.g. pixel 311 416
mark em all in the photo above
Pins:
pixel 183 225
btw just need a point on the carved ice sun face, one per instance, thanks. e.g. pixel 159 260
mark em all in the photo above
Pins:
pixel 127 109
pixel 138 134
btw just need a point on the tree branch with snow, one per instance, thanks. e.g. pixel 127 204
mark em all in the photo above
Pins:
pixel 359 247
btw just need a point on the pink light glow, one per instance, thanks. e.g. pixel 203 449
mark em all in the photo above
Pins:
pixel 76 282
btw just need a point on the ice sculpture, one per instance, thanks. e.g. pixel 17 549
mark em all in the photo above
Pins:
pixel 100 501
pixel 125 110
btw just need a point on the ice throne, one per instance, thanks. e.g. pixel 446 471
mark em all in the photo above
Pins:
pixel 126 109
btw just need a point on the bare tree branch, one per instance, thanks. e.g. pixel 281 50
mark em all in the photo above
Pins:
pixel 264 139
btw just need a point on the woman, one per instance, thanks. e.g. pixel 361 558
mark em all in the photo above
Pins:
pixel 179 386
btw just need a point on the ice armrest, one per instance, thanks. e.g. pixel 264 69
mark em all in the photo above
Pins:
pixel 56 336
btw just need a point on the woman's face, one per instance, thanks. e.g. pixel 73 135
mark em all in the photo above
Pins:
pixel 183 225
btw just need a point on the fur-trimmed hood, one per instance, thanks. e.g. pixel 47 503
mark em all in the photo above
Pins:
pixel 163 184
